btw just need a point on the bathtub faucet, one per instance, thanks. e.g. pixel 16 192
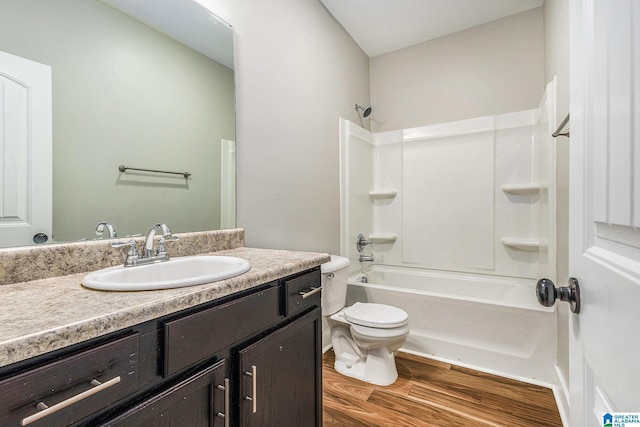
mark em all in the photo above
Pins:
pixel 362 242
pixel 366 258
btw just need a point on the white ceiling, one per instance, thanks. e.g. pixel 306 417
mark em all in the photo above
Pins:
pixel 381 26
pixel 185 21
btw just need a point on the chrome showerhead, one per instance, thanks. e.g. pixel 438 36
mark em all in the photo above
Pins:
pixel 366 111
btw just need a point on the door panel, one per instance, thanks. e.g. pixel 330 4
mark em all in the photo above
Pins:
pixel 605 208
pixel 25 150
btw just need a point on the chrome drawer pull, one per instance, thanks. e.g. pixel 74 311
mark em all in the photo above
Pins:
pixel 48 410
pixel 224 416
pixel 311 291
pixel 254 384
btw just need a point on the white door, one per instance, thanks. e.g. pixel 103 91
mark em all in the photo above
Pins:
pixel 605 208
pixel 25 151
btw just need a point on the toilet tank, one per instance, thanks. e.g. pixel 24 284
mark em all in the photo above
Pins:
pixel 335 275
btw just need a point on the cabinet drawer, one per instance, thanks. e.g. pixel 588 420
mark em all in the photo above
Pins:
pixel 63 392
pixel 302 292
pixel 196 337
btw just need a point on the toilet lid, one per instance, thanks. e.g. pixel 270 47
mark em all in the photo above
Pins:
pixel 376 315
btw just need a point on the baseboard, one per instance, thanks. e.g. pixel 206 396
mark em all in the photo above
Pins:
pixel 561 394
pixel 522 379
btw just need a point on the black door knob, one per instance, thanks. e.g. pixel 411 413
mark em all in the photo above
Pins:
pixel 547 293
pixel 40 238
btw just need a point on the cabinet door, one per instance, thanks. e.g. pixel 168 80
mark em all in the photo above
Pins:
pixel 281 376
pixel 199 400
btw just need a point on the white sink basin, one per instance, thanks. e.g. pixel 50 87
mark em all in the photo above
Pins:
pixel 176 273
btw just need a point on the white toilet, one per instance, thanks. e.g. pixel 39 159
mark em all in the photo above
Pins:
pixel 365 335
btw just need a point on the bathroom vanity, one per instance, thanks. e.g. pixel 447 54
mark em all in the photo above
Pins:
pixel 241 352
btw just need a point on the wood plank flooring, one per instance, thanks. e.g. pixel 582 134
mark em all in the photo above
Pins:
pixel 432 393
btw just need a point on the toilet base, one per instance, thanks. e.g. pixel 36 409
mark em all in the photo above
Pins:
pixel 377 366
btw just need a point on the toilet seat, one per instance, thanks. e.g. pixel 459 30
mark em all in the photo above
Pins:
pixel 376 315
pixel 380 333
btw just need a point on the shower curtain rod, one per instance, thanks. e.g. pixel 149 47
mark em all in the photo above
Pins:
pixel 559 132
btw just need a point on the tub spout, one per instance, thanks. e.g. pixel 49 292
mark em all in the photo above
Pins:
pixel 366 258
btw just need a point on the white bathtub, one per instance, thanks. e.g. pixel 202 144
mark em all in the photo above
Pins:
pixel 489 323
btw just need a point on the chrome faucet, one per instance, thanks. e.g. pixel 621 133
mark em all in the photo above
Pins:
pixel 148 255
pixel 101 227
pixel 161 252
pixel 132 254
pixel 363 279
pixel 366 258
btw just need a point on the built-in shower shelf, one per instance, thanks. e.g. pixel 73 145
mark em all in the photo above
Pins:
pixel 522 189
pixel 383 194
pixel 383 237
pixel 522 244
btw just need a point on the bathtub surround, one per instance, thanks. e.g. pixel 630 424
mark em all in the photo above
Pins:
pixel 474 196
pixel 463 214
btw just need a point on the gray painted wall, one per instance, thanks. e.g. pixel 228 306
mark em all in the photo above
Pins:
pixel 297 72
pixel 489 69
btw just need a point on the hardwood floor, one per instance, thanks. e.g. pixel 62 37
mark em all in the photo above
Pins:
pixel 432 393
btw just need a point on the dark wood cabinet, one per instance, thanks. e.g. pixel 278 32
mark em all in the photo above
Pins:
pixel 197 401
pixel 195 337
pixel 72 387
pixel 251 359
pixel 280 376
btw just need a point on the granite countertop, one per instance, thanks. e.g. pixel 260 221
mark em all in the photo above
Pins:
pixel 48 314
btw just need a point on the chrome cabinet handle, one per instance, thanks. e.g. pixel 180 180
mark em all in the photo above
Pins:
pixel 307 293
pixel 225 415
pixel 48 410
pixel 254 385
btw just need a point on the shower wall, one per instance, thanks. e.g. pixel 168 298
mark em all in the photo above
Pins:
pixel 475 196
pixel 357 151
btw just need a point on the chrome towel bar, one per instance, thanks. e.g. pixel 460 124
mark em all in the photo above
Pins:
pixel 123 168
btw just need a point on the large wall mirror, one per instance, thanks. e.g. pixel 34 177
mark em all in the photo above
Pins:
pixel 148 84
